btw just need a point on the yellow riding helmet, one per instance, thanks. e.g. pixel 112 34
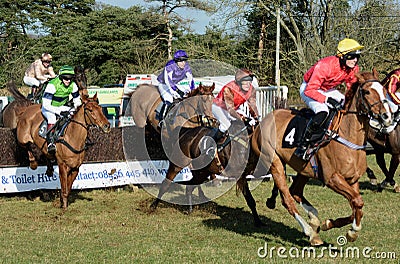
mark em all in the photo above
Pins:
pixel 348 45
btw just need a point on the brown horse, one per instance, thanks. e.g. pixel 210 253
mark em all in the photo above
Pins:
pixel 146 98
pixel 13 110
pixel 385 143
pixel 70 147
pixel 194 147
pixel 338 164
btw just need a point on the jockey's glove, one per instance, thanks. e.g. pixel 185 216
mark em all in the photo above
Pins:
pixel 64 114
pixel 332 103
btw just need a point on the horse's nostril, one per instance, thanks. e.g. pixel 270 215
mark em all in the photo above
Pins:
pixel 385 116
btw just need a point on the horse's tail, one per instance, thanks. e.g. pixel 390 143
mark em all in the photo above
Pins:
pixel 12 88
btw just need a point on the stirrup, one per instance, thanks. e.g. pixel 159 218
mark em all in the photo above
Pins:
pixel 51 148
pixel 301 152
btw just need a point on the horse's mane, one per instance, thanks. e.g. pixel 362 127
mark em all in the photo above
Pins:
pixel 18 96
pixel 350 93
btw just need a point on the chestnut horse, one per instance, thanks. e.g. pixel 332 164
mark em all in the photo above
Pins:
pixel 194 147
pixel 13 110
pixel 70 147
pixel 339 164
pixel 146 98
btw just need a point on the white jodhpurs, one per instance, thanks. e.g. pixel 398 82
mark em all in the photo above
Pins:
pixel 316 106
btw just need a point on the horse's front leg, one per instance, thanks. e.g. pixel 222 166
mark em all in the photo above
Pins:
pixel 63 171
pixel 352 194
pixel 394 163
pixel 173 170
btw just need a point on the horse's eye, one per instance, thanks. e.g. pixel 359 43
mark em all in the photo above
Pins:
pixel 365 92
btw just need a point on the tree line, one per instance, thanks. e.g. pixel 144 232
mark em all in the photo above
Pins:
pixel 111 42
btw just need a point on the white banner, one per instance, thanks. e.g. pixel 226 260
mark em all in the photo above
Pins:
pixel 91 175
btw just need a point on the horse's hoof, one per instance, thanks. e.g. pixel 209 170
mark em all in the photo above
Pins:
pixel 396 188
pixel 326 225
pixel 386 184
pixel 315 241
pixel 352 235
pixel 271 203
pixel 373 182
pixel 33 165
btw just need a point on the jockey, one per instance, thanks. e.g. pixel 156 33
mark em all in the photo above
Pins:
pixel 174 71
pixel 231 97
pixel 318 89
pixel 55 96
pixel 392 82
pixel 39 72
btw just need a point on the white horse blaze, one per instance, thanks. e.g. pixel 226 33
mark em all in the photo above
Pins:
pixel 379 89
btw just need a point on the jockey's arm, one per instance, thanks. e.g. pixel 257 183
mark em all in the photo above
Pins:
pixel 230 105
pixel 48 98
pixel 76 99
pixel 392 88
pixel 39 74
pixel 51 72
pixel 253 104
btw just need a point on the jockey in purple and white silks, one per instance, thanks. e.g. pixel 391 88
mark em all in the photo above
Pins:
pixel 174 71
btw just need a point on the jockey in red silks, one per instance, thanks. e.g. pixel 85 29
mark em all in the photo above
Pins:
pixel 231 97
pixel 318 89
pixel 392 82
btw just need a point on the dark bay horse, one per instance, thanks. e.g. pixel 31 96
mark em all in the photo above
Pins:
pixel 146 98
pixel 195 148
pixel 13 110
pixel 339 164
pixel 70 147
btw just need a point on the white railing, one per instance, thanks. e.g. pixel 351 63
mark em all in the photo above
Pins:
pixel 266 98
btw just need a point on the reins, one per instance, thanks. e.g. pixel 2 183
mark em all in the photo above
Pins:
pixel 85 126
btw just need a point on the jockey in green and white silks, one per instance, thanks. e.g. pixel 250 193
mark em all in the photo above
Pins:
pixel 56 95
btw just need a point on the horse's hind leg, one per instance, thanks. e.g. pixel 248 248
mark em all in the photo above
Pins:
pixel 271 201
pixel 389 177
pixel 278 173
pixel 251 203
pixel 297 191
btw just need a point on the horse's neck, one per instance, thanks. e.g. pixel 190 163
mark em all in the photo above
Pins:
pixel 354 126
pixel 78 127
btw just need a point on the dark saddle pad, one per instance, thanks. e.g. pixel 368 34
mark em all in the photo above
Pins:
pixel 59 128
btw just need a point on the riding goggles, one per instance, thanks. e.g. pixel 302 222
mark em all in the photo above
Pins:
pixel 66 77
pixel 352 56
pixel 46 61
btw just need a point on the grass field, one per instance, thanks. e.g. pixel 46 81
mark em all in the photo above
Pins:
pixel 114 226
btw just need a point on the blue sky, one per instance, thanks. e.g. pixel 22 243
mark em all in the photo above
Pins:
pixel 202 19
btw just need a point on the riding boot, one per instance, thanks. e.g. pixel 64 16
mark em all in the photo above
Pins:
pixel 314 125
pixel 163 112
pixel 218 135
pixel 51 147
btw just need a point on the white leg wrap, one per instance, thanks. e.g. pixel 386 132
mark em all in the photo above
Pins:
pixel 307 229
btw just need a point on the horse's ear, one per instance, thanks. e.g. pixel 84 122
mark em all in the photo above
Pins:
pixel 360 77
pixel 212 87
pixel 95 97
pixel 375 73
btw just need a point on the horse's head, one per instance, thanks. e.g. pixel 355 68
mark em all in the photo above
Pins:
pixel 81 81
pixel 94 114
pixel 202 90
pixel 371 98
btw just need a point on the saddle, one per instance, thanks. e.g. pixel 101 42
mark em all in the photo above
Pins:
pixel 59 128
pixel 297 125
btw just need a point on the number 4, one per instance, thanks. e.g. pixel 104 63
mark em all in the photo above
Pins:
pixel 290 136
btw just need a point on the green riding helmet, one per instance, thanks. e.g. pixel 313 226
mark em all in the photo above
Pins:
pixel 66 72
